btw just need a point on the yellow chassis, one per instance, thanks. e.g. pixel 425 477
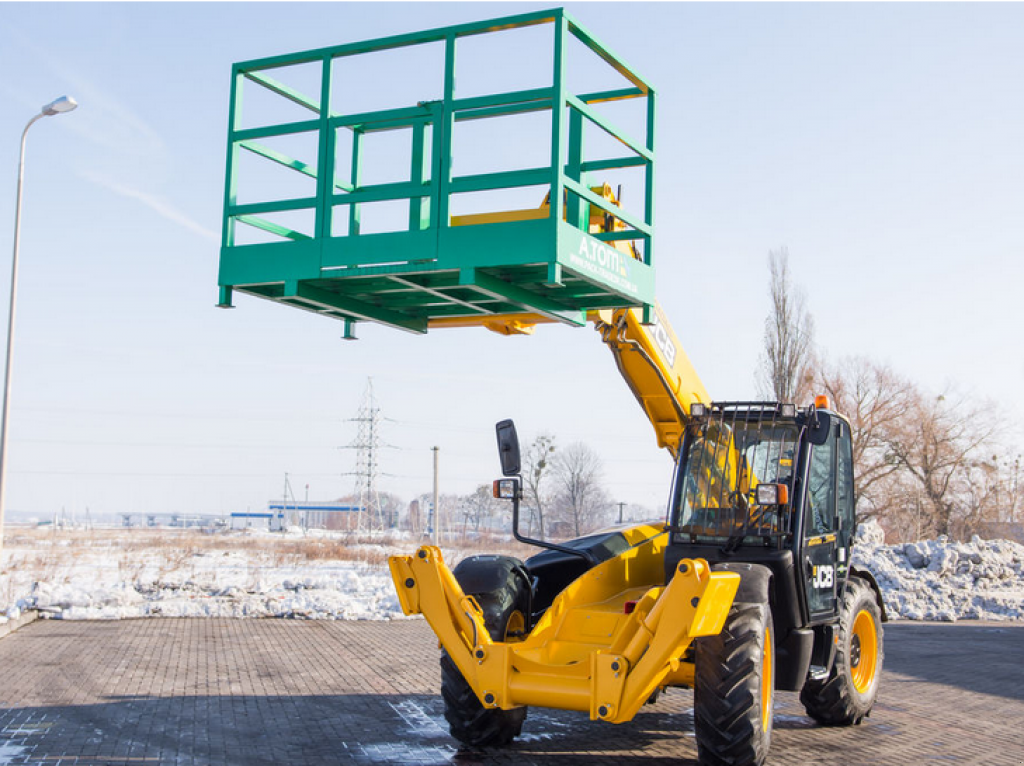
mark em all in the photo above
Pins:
pixel 586 653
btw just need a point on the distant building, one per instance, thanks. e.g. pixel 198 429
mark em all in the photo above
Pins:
pixel 173 520
pixel 313 514
pixel 247 520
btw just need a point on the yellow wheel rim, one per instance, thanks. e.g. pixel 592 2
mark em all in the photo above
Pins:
pixel 863 651
pixel 766 681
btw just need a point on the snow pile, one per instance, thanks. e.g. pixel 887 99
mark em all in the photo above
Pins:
pixel 943 580
pixel 244 575
pixel 121 579
pixel 347 594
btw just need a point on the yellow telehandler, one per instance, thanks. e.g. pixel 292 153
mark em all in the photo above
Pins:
pixel 746 586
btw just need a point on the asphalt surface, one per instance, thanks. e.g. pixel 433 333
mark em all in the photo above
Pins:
pixel 253 692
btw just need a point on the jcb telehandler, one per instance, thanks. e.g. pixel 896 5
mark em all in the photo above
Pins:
pixel 746 586
pixel 745 589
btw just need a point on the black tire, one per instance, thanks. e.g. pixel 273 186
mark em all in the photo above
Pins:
pixel 505 607
pixel 734 690
pixel 849 692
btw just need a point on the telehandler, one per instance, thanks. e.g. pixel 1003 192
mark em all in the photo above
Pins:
pixel 745 589
pixel 746 586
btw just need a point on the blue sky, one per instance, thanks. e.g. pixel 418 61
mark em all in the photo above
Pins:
pixel 882 144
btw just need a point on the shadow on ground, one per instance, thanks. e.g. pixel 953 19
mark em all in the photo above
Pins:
pixel 936 654
pixel 356 729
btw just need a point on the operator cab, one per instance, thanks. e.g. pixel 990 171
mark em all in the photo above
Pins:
pixel 770 484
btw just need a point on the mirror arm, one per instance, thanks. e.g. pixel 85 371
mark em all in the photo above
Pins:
pixel 585 555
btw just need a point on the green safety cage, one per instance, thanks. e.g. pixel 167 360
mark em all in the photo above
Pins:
pixel 302 180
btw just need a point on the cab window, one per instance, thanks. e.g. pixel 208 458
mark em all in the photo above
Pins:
pixel 821 490
pixel 844 471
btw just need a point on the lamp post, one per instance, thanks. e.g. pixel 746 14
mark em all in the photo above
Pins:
pixel 61 105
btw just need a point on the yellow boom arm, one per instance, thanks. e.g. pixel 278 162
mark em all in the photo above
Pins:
pixel 656 368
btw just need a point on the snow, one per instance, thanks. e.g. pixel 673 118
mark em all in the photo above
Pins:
pixel 944 580
pixel 9 752
pixel 122 574
pixel 220 579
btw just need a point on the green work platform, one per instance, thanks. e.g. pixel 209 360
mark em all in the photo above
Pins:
pixel 307 165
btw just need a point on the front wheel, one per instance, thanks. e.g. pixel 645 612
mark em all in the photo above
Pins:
pixel 734 688
pixel 847 695
pixel 499 586
pixel 468 720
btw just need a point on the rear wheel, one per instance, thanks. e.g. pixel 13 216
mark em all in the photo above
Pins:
pixel 849 692
pixel 505 606
pixel 734 689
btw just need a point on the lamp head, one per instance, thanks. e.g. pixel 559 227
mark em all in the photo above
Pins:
pixel 61 105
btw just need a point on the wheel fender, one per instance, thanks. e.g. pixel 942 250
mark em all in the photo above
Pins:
pixel 870 579
pixel 755 581
pixel 485 574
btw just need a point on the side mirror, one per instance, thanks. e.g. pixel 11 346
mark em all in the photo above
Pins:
pixel 818 430
pixel 508 448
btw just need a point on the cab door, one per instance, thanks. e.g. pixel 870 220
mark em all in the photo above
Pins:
pixel 819 527
pixel 845 502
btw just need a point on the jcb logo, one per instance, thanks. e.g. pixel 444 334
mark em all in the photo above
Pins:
pixel 663 339
pixel 824 576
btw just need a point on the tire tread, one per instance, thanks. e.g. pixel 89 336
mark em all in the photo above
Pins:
pixel 468 720
pixel 727 707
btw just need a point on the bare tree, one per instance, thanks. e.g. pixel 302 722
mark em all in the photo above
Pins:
pixel 923 465
pixel 578 478
pixel 940 440
pixel 875 399
pixel 990 495
pixel 479 508
pixel 907 513
pixel 787 365
pixel 980 492
pixel 1011 499
pixel 537 463
pixel 414 518
pixel 448 516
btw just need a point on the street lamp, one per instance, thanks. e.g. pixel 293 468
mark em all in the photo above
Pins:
pixel 59 106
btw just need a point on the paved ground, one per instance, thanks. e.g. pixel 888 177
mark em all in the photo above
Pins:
pixel 251 692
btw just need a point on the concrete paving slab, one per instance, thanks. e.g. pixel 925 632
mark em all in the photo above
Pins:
pixel 254 692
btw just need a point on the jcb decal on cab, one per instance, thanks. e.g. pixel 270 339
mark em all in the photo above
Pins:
pixel 824 576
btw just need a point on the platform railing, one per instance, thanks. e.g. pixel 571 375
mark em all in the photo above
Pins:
pixel 332 240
